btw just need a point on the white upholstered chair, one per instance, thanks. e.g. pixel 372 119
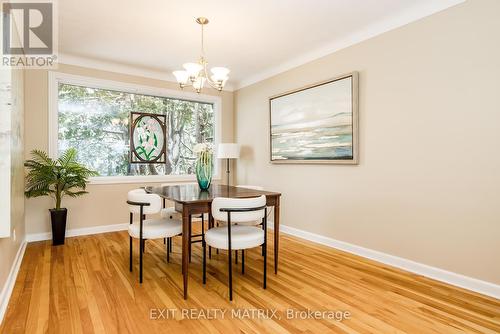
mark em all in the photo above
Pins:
pixel 251 223
pixel 237 237
pixel 142 204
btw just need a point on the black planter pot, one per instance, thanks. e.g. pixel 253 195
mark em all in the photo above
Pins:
pixel 58 219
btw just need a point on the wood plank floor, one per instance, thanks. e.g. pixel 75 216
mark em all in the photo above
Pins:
pixel 86 287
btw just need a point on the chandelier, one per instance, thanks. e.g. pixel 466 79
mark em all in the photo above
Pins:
pixel 196 74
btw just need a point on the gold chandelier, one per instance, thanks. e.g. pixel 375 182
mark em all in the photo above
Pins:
pixel 196 74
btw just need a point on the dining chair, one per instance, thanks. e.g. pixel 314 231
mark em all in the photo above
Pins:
pixel 231 236
pixel 142 203
pixel 245 223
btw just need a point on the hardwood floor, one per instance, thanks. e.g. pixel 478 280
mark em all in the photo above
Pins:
pixel 86 287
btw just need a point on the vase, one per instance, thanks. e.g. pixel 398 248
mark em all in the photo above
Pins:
pixel 204 171
pixel 58 219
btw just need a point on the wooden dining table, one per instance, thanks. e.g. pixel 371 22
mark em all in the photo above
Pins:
pixel 190 200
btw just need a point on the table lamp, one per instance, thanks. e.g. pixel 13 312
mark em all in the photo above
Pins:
pixel 228 151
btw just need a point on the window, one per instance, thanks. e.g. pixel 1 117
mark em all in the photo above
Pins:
pixel 93 117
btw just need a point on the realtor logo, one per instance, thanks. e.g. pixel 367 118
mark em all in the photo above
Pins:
pixel 28 39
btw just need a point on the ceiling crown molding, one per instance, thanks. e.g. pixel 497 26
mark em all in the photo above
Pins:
pixel 109 66
pixel 404 18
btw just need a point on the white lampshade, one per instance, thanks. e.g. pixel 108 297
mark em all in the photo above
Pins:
pixel 228 151
pixel 219 73
pixel 193 69
pixel 181 76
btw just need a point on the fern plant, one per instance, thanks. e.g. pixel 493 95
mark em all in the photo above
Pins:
pixel 56 178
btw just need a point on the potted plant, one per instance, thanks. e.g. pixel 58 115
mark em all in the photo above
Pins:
pixel 56 178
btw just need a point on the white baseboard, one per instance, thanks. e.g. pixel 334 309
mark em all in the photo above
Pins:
pixel 78 231
pixel 11 280
pixel 469 283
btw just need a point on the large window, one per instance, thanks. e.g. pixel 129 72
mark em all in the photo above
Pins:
pixel 95 120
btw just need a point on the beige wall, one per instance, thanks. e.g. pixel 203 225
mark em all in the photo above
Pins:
pixel 10 246
pixel 105 204
pixel 428 184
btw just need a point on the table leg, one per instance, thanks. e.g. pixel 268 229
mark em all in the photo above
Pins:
pixel 190 233
pixel 185 247
pixel 276 233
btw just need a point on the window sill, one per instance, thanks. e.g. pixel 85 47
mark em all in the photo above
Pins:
pixel 146 179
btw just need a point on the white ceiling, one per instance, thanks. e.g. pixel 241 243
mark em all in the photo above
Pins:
pixel 254 38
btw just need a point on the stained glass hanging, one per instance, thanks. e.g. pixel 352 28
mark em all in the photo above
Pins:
pixel 147 138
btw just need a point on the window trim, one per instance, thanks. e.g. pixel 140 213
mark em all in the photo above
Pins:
pixel 54 78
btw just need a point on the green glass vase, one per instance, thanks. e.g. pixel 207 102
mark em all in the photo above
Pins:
pixel 204 169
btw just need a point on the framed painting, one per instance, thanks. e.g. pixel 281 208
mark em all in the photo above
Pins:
pixel 317 123
pixel 147 138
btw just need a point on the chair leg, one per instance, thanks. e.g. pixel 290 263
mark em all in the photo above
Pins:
pixel 263 244
pixel 141 254
pixel 264 226
pixel 217 250
pixel 164 241
pixel 170 247
pixel 202 227
pixel 210 225
pixel 130 255
pixel 204 262
pixel 243 262
pixel 265 262
pixel 230 269
pixel 167 247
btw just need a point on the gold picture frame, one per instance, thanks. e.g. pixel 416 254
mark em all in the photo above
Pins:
pixel 325 130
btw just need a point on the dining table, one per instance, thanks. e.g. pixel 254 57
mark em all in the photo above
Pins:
pixel 190 200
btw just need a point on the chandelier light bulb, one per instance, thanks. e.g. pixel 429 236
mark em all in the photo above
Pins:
pixel 219 81
pixel 199 83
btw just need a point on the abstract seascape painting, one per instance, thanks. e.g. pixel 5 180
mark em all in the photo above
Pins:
pixel 317 123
